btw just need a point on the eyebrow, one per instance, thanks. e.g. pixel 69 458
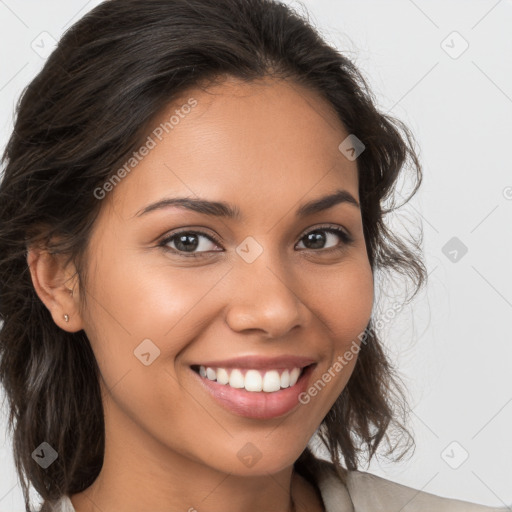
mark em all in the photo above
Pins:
pixel 226 210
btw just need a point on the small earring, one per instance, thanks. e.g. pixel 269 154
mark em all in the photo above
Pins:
pixel 66 317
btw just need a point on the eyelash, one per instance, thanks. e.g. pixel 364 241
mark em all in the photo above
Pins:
pixel 346 240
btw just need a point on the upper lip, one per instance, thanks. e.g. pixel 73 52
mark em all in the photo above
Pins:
pixel 260 362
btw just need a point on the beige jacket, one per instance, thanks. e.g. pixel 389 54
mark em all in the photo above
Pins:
pixel 363 492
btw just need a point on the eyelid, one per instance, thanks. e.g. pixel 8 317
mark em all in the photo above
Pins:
pixel 198 231
pixel 326 227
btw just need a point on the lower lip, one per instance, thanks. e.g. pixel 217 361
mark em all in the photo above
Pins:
pixel 257 404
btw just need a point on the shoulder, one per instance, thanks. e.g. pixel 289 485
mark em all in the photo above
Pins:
pixel 371 493
pixel 376 493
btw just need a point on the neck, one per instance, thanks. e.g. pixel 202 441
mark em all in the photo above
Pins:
pixel 139 472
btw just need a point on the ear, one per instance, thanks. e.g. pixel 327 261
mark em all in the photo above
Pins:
pixel 56 285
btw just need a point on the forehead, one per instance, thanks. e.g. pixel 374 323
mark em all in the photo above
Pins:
pixel 243 142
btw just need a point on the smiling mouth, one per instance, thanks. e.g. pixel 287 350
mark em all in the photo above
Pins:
pixel 253 380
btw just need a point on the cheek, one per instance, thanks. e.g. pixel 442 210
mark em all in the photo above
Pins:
pixel 343 303
pixel 343 300
pixel 132 300
pixel 139 317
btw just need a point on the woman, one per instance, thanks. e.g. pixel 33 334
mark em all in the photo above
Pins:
pixel 191 221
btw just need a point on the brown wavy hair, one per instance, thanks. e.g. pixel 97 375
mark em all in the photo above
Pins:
pixel 85 112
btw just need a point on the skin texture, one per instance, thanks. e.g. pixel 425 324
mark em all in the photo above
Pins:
pixel 266 147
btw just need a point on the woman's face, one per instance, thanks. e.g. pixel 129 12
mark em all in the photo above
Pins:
pixel 273 282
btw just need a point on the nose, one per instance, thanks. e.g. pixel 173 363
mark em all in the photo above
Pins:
pixel 262 298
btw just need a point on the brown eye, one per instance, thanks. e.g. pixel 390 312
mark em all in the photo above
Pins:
pixel 189 243
pixel 317 239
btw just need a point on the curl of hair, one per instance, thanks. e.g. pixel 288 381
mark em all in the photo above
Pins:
pixel 79 119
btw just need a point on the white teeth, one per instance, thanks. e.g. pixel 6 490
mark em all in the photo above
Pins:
pixel 294 375
pixel 271 381
pixel 253 380
pixel 236 379
pixel 222 376
pixel 285 379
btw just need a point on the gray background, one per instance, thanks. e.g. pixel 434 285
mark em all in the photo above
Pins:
pixel 453 344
